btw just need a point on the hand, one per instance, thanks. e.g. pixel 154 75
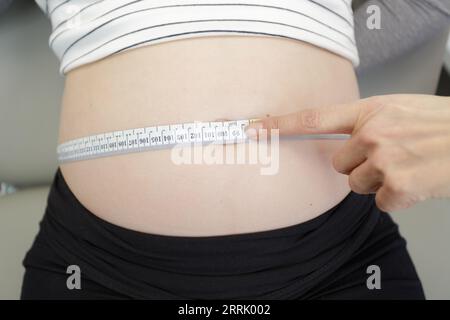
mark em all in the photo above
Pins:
pixel 399 146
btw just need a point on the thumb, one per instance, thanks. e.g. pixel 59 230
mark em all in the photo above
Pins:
pixel 325 120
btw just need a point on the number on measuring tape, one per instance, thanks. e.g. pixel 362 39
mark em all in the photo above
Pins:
pixel 148 138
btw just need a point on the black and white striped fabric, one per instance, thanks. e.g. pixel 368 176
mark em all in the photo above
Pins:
pixel 88 30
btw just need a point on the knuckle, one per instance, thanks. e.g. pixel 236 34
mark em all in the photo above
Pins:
pixel 378 161
pixel 393 186
pixel 383 158
pixel 375 103
pixel 355 185
pixel 368 137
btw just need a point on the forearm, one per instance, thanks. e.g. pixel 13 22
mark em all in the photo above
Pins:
pixel 405 25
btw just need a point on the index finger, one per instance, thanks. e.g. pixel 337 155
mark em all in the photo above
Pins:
pixel 339 119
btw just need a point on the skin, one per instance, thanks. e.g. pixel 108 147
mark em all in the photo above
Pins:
pixel 399 146
pixel 207 78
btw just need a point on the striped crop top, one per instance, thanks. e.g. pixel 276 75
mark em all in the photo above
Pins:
pixel 85 31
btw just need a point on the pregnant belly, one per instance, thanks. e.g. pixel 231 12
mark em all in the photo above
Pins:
pixel 204 79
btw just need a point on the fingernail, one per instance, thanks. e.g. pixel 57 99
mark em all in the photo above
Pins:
pixel 253 128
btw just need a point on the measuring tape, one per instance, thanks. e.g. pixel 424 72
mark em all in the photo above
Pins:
pixel 150 138
pixel 160 137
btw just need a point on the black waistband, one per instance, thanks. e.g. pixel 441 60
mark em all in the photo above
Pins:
pixel 274 264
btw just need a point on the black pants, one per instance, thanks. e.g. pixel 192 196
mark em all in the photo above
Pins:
pixel 324 258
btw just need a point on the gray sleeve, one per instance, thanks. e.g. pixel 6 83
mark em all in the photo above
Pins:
pixel 405 25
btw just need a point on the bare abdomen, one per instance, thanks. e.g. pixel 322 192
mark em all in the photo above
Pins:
pixel 203 79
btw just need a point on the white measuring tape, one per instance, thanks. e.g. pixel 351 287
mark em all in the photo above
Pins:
pixel 160 137
pixel 149 138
